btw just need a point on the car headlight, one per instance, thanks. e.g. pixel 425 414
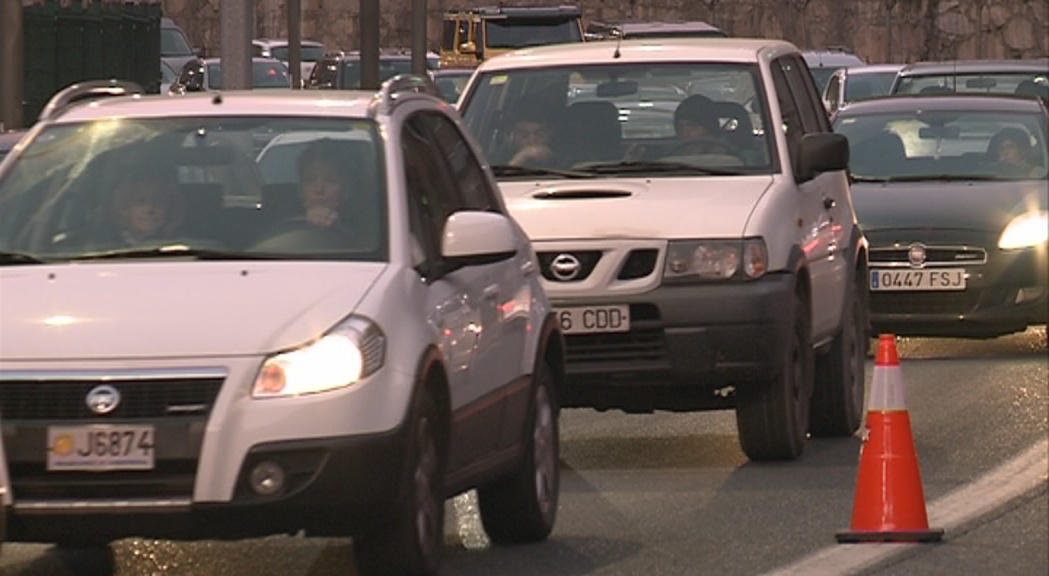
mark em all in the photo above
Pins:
pixel 1028 229
pixel 715 259
pixel 353 350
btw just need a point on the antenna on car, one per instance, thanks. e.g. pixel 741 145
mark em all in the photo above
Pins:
pixel 619 40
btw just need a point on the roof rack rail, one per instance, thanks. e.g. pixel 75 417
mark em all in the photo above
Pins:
pixel 90 90
pixel 402 84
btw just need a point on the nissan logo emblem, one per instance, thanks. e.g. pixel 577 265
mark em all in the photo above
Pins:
pixel 103 399
pixel 916 255
pixel 565 267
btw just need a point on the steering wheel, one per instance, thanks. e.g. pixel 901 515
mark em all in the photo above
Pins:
pixel 705 145
pixel 298 231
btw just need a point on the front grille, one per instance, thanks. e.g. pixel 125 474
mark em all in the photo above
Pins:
pixel 644 342
pixel 169 479
pixel 24 400
pixel 898 256
pixel 941 302
pixel 639 264
pixel 587 260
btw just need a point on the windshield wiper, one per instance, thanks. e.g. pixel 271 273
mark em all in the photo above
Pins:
pixel 7 258
pixel 942 178
pixel 501 170
pixel 177 251
pixel 871 180
pixel 637 166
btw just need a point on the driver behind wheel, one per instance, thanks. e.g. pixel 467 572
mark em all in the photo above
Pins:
pixel 144 207
pixel 324 183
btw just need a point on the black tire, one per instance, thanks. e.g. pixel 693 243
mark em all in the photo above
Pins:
pixel 410 542
pixel 523 506
pixel 837 400
pixel 773 419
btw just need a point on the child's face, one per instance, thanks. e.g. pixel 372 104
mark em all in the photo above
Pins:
pixel 320 186
pixel 144 210
pixel 1009 153
pixel 687 130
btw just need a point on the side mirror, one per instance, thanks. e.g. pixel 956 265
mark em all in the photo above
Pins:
pixel 821 152
pixel 472 238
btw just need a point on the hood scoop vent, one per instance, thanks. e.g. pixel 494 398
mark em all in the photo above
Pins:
pixel 579 194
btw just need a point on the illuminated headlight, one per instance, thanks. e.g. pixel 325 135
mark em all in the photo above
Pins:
pixel 715 259
pixel 1030 229
pixel 353 350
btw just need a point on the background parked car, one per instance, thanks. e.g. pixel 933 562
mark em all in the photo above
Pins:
pixel 856 83
pixel 951 192
pixel 205 74
pixel 342 70
pixel 1003 76
pixel 277 48
pixel 175 48
pixel 451 81
pixel 823 63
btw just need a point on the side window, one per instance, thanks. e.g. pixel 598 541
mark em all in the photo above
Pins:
pixel 813 115
pixel 448 36
pixel 792 126
pixel 832 93
pixel 431 192
pixel 466 171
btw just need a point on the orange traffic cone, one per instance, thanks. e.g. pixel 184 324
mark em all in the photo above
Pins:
pixel 889 504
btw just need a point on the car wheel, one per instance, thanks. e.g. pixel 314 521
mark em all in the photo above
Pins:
pixel 523 506
pixel 773 419
pixel 837 400
pixel 410 542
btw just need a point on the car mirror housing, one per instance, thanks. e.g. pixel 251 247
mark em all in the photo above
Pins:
pixel 473 238
pixel 822 152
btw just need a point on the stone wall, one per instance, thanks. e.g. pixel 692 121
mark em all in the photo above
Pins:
pixel 877 30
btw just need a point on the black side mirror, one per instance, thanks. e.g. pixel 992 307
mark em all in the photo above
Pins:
pixel 821 152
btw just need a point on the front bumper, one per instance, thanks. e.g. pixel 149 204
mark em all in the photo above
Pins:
pixel 1005 294
pixel 336 486
pixel 687 347
pixel 341 452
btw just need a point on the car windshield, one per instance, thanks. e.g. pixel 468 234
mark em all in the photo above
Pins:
pixel 308 53
pixel 521 32
pixel 619 119
pixel 931 144
pixel 868 85
pixel 173 43
pixel 388 68
pixel 209 187
pixel 977 83
pixel 263 75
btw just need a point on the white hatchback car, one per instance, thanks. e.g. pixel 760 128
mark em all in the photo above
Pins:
pixel 175 364
pixel 691 271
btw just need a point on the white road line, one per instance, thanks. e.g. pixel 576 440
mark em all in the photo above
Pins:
pixel 1010 480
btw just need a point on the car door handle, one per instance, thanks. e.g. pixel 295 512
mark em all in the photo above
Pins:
pixel 829 203
pixel 491 292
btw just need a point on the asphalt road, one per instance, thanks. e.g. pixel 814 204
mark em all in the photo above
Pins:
pixel 672 494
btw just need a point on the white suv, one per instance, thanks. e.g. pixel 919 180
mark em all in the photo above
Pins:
pixel 248 369
pixel 721 272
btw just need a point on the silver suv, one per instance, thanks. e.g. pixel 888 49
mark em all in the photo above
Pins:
pixel 193 350
pixel 691 212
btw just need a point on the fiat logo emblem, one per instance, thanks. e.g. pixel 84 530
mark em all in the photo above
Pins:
pixel 565 267
pixel 103 399
pixel 916 255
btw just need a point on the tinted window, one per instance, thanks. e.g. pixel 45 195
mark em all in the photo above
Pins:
pixel 520 32
pixel 173 43
pixel 307 53
pixel 263 75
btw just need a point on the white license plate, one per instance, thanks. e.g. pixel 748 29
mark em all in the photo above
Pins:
pixel 100 447
pixel 924 279
pixel 594 319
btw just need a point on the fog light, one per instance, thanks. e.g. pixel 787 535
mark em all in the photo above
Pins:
pixel 1028 294
pixel 267 478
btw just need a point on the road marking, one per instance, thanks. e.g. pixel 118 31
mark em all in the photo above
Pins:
pixel 1010 480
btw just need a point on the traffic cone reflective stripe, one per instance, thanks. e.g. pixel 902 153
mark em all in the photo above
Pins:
pixel 889 505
